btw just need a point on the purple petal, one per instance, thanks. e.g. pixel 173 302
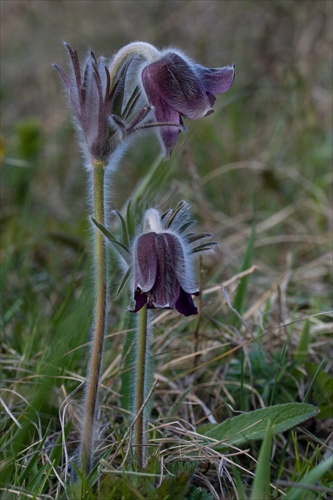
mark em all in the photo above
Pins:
pixel 163 113
pixel 177 84
pixel 75 63
pixel 63 75
pixel 102 65
pixel 182 265
pixel 169 135
pixel 212 100
pixel 185 304
pixel 76 88
pixel 71 89
pixel 166 288
pixel 177 255
pixel 92 102
pixel 216 80
pixel 140 301
pixel 145 262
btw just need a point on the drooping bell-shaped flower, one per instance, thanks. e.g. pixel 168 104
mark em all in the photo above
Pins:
pixel 163 258
pixel 160 274
pixel 176 86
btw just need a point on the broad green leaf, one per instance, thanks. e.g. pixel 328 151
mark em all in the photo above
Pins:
pixel 297 492
pixel 250 426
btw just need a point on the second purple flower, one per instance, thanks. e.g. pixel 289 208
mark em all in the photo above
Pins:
pixel 163 261
pixel 160 274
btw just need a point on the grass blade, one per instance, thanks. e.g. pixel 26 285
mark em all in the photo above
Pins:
pixel 262 476
pixel 297 492
pixel 241 290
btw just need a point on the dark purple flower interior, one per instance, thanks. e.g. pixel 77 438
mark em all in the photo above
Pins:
pixel 185 304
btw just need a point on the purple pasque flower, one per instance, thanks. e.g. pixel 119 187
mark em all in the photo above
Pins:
pixel 159 274
pixel 176 87
pixel 91 98
pixel 106 109
pixel 163 258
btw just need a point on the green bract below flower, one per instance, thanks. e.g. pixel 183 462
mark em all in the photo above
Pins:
pixel 163 258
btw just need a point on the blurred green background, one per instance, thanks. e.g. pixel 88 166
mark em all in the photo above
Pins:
pixel 266 148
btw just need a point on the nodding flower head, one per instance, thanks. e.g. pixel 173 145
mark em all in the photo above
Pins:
pixel 176 86
pixel 163 258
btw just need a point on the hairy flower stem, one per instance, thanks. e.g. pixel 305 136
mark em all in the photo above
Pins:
pixel 140 389
pixel 99 326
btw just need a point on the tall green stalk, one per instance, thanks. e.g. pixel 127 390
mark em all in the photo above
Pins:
pixel 99 325
pixel 140 389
